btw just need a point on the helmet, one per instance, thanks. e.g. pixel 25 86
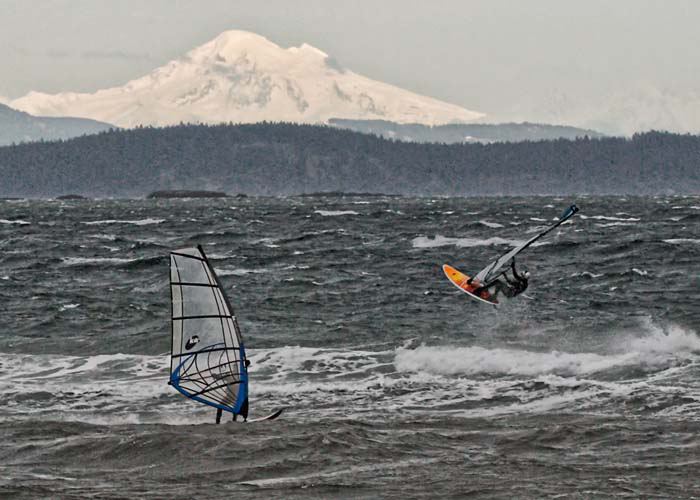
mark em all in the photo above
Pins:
pixel 525 274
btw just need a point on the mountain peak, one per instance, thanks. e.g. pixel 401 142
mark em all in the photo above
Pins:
pixel 234 42
pixel 241 77
pixel 233 45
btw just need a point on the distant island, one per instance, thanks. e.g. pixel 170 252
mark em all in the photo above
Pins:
pixel 292 159
pixel 187 193
pixel 72 197
pixel 17 126
pixel 464 132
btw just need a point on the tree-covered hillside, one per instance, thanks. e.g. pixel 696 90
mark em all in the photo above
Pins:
pixel 273 159
pixel 464 132
pixel 17 126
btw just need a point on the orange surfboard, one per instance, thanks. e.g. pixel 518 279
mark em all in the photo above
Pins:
pixel 460 280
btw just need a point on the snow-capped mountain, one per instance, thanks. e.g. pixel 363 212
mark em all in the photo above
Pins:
pixel 242 77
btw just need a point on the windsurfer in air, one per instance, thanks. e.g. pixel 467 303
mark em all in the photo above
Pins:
pixel 511 288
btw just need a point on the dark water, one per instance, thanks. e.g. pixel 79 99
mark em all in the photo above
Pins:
pixel 396 384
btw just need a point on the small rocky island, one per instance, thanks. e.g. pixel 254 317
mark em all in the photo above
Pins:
pixel 186 193
pixel 72 197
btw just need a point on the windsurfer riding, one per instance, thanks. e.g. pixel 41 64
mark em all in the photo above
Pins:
pixel 244 409
pixel 511 288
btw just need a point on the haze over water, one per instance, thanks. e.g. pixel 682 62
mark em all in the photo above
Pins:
pixel 396 384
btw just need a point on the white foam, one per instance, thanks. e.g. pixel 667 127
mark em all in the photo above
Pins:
pixel 586 274
pixel 440 241
pixel 77 261
pixel 66 307
pixel 493 225
pixel 448 360
pixel 16 221
pixel 333 213
pixel 108 237
pixel 655 347
pixel 663 340
pixel 605 217
pixel 613 224
pixel 471 380
pixel 682 241
pixel 140 222
pixel 238 272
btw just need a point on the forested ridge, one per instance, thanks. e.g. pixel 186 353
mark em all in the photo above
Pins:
pixel 283 159
pixel 463 132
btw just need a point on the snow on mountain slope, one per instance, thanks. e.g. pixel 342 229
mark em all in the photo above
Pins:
pixel 242 77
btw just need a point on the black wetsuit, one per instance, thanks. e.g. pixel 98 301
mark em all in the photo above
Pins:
pixel 519 285
pixel 511 288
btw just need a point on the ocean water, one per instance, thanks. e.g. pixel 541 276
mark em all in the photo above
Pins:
pixel 396 385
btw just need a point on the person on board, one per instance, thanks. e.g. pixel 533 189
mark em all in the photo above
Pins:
pixel 244 408
pixel 243 413
pixel 511 288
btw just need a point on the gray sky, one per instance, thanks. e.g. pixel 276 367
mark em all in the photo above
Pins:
pixel 553 60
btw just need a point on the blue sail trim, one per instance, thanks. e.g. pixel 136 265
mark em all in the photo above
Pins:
pixel 242 385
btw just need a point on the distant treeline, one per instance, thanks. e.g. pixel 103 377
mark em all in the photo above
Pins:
pixel 464 132
pixel 281 159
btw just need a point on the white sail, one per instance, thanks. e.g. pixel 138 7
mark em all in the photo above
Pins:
pixel 495 268
pixel 207 360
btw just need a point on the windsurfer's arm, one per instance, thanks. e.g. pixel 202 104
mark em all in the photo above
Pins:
pixel 515 273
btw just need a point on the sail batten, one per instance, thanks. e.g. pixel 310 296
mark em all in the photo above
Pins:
pixel 208 361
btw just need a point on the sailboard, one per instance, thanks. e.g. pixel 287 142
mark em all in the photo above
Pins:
pixel 499 266
pixel 208 361
pixel 463 282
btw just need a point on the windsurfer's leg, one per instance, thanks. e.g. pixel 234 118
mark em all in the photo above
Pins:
pixel 478 291
pixel 244 410
pixel 235 417
pixel 219 411
pixel 500 287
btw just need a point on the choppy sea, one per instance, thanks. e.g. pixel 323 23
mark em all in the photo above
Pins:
pixel 396 385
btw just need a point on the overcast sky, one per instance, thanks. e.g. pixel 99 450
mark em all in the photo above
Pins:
pixel 553 60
